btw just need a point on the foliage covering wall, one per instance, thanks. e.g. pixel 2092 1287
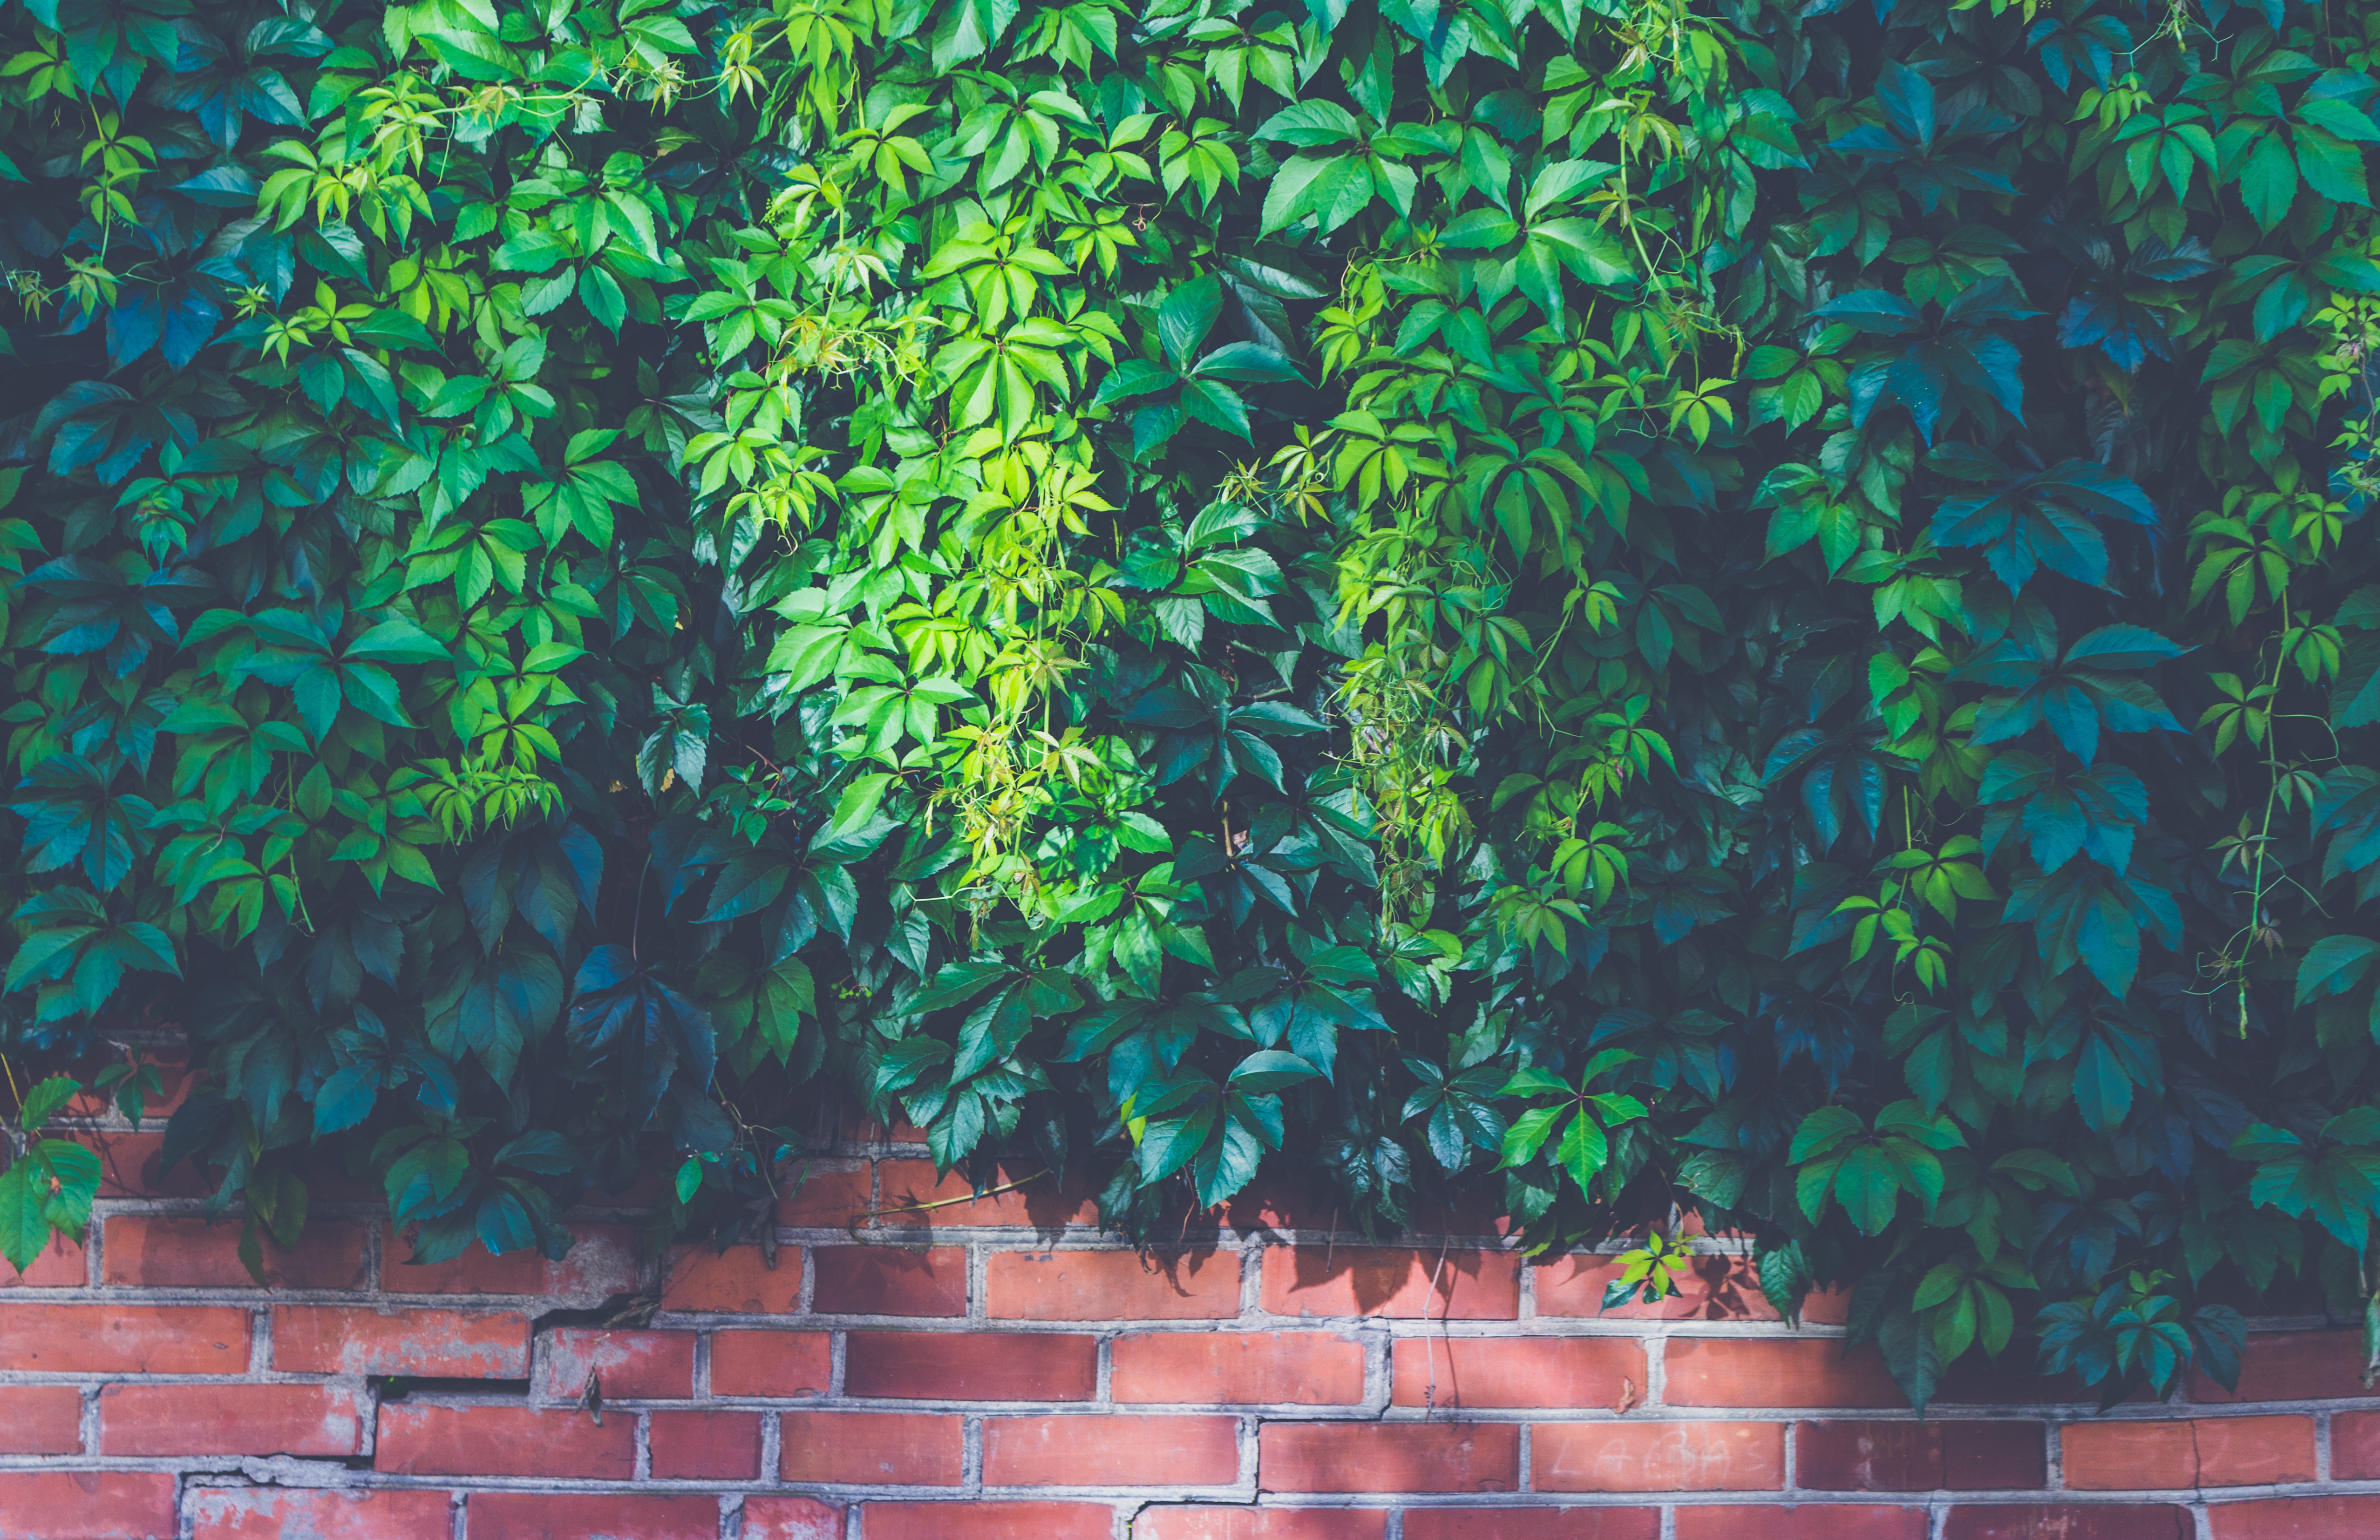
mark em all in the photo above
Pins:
pixel 1740 606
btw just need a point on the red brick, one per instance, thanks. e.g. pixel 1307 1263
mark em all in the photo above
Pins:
pixel 61 1264
pixel 2295 1518
pixel 735 1281
pixel 792 1518
pixel 88 1505
pixel 578 1515
pixel 1041 1202
pixel 1389 1457
pixel 1720 1289
pixel 2355 1445
pixel 1656 1456
pixel 829 1195
pixel 1392 1280
pixel 971 1366
pixel 1112 1285
pixel 1536 1524
pixel 986 1521
pixel 2292 1366
pixel 41 1419
pixel 132 1165
pixel 870 1448
pixel 1111 1451
pixel 156 1251
pixel 888 1281
pixel 444 1344
pixel 602 1263
pixel 1569 1372
pixel 175 1079
pixel 118 1338
pixel 1734 1371
pixel 2112 1520
pixel 504 1441
pixel 1214 1521
pixel 784 1365
pixel 1921 1457
pixel 705 1446
pixel 283 1513
pixel 1802 1522
pixel 1237 1368
pixel 631 1365
pixel 230 1419
pixel 2208 1451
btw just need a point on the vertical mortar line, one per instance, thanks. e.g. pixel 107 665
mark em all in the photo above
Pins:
pixel 2322 1445
pixel 2054 1459
pixel 1792 1442
pixel 1527 1442
pixel 1528 1293
pixel 643 1434
pixel 971 1454
pixel 1103 1370
pixel 1657 1368
pixel 259 1340
pixel 837 1351
pixel 1669 1521
pixel 730 1515
pixel 978 1283
pixel 806 1292
pixel 773 1449
pixel 455 1504
pixel 702 1365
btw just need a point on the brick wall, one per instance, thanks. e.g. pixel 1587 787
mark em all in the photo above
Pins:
pixel 996 1369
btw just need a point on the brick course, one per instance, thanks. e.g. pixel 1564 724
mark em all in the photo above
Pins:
pixel 999 1369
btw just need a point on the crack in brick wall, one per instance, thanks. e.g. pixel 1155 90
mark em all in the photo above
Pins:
pixel 1000 1370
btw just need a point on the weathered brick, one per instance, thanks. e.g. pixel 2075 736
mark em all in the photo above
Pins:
pixel 60 1264
pixel 2295 1518
pixel 734 1280
pixel 870 1448
pixel 579 1515
pixel 1569 1372
pixel 1656 1456
pixel 2113 1521
pixel 1745 1371
pixel 1112 1451
pixel 1237 1368
pixel 446 1344
pixel 831 1195
pixel 325 1513
pixel 1537 1523
pixel 2291 1365
pixel 705 1446
pixel 890 1280
pixel 1041 1202
pixel 2355 1445
pixel 1802 1522
pixel 602 1263
pixel 41 1419
pixel 1398 1281
pixel 970 1366
pixel 782 1364
pixel 1215 1522
pixel 1920 1457
pixel 421 1440
pixel 156 1251
pixel 1112 1285
pixel 2205 1451
pixel 630 1365
pixel 986 1521
pixel 792 1518
pixel 133 1166
pixel 230 1419
pixel 1389 1457
pixel 118 1339
pixel 101 1505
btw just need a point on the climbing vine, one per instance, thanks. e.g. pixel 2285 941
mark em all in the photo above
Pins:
pixel 1738 608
